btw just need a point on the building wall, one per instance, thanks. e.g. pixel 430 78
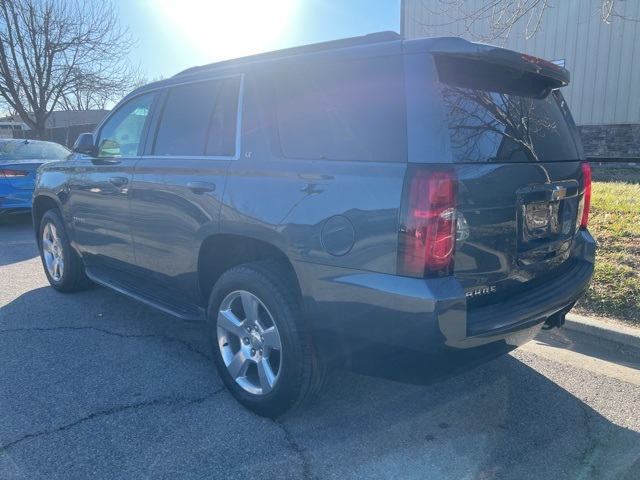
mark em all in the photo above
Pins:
pixel 611 141
pixel 604 59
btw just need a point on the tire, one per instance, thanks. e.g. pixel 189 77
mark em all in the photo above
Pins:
pixel 265 358
pixel 62 265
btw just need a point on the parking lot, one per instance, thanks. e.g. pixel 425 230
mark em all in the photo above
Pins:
pixel 94 385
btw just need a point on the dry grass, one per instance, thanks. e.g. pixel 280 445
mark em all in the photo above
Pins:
pixel 615 224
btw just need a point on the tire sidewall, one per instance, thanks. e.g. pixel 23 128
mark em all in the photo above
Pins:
pixel 52 217
pixel 287 389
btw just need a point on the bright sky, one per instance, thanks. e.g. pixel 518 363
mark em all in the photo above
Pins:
pixel 177 34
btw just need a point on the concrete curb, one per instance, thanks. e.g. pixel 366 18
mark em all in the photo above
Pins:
pixel 613 332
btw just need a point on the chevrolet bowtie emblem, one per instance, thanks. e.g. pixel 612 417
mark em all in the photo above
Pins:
pixel 558 193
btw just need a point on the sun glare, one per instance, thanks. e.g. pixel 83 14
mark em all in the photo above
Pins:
pixel 222 29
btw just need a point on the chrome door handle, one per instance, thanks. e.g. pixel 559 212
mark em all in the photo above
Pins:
pixel 119 181
pixel 201 187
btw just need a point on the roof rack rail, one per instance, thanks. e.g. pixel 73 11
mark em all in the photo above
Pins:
pixel 369 39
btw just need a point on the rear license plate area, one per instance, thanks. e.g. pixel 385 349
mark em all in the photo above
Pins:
pixel 540 220
pixel 547 216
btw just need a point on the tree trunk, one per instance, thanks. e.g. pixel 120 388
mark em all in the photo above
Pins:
pixel 39 124
pixel 40 133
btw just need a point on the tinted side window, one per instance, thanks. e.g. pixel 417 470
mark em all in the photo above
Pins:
pixel 343 111
pixel 222 134
pixel 122 133
pixel 199 119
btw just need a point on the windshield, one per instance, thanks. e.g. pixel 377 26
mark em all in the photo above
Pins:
pixel 487 126
pixel 14 150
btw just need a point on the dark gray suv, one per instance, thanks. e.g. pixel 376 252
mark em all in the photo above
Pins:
pixel 317 203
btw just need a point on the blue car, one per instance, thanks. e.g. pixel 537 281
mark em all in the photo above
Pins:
pixel 19 162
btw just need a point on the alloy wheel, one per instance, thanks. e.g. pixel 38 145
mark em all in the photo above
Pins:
pixel 249 342
pixel 52 252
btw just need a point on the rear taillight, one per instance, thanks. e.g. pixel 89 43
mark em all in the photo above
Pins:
pixel 427 234
pixel 12 173
pixel 586 201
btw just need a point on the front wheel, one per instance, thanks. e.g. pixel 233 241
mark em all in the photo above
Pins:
pixel 261 348
pixel 62 265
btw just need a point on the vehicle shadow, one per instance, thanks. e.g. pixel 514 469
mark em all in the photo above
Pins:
pixel 502 420
pixel 17 242
pixel 70 357
pixel 591 346
pixel 22 218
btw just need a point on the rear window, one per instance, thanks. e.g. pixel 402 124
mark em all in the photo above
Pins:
pixel 343 111
pixel 25 150
pixel 487 126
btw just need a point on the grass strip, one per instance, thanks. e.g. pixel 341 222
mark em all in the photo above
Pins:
pixel 615 224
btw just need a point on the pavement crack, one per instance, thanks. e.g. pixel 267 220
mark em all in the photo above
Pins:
pixel 163 401
pixel 587 456
pixel 301 452
pixel 164 338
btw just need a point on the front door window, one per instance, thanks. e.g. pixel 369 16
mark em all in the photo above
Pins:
pixel 121 135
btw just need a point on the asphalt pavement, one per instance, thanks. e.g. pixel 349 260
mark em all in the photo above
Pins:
pixel 94 385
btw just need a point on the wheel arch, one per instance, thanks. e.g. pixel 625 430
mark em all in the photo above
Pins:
pixel 218 253
pixel 41 205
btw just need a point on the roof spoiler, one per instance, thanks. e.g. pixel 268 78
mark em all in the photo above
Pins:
pixel 498 69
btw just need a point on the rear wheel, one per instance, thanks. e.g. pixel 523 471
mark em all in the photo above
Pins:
pixel 62 265
pixel 261 349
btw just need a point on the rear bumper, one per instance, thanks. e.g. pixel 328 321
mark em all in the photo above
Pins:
pixel 359 312
pixel 13 199
pixel 539 303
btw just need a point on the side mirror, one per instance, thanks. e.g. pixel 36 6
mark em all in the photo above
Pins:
pixel 84 144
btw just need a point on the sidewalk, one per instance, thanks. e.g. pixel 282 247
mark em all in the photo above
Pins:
pixel 602 328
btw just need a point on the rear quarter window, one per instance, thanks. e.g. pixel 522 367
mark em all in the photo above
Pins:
pixel 343 111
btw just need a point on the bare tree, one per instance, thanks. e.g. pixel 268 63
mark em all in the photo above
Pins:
pixel 87 90
pixel 69 53
pixel 502 16
pixel 503 125
pixel 5 108
pixel 610 10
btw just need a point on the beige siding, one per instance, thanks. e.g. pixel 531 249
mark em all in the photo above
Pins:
pixel 604 59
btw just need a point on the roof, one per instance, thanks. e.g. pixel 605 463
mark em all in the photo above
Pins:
pixel 369 39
